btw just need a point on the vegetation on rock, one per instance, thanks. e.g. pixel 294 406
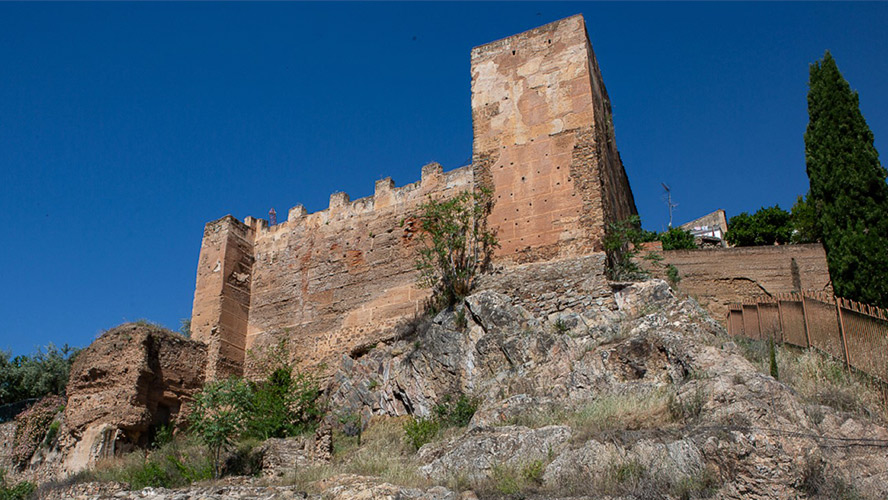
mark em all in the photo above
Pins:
pixel 284 404
pixel 18 491
pixel 455 244
pixel 848 188
pixel 621 242
pixel 449 412
pixel 32 427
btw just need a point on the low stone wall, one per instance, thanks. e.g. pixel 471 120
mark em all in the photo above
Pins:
pixel 717 277
pixel 544 288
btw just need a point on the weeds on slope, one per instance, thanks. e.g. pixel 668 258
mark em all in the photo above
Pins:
pixel 819 379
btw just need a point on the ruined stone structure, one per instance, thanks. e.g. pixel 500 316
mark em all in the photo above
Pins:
pixel 337 279
pixel 126 383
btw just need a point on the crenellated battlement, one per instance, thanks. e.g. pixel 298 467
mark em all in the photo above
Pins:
pixel 339 278
pixel 386 197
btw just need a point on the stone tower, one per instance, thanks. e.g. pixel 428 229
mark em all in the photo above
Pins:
pixel 337 281
pixel 544 141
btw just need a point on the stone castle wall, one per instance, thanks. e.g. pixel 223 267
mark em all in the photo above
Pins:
pixel 332 281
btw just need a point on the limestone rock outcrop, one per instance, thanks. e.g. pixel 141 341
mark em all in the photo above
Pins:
pixel 720 420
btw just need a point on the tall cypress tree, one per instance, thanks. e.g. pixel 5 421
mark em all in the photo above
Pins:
pixel 848 188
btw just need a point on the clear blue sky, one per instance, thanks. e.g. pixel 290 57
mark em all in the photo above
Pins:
pixel 124 128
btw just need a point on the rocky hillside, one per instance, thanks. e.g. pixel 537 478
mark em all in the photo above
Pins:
pixel 650 401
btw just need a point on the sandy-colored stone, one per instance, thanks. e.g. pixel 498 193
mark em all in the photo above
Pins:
pixel 334 281
pixel 126 383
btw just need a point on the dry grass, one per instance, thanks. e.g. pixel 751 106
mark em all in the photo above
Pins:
pixel 608 412
pixel 383 453
pixel 819 379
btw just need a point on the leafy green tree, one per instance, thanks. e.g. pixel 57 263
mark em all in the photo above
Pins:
pixel 219 414
pixel 847 186
pixel 677 239
pixel 804 222
pixel 456 243
pixel 285 404
pixel 767 226
pixel 286 401
pixel 44 372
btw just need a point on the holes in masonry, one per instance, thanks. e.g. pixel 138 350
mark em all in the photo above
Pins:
pixel 557 168
pixel 513 52
pixel 522 179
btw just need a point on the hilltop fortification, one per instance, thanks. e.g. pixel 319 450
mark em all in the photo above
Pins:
pixel 338 278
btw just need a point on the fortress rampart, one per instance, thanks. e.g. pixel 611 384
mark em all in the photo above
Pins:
pixel 340 278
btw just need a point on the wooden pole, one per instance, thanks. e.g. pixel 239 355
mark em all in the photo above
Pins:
pixel 805 315
pixel 842 332
pixel 780 320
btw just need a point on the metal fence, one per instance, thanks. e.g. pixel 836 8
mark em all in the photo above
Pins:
pixel 854 333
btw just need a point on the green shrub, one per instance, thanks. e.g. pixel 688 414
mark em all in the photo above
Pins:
pixel 456 413
pixel 621 243
pixel 163 435
pixel 286 402
pixel 18 491
pixel 420 431
pixel 150 474
pixel 533 472
pixel 219 414
pixel 51 433
pixel 178 463
pixel 672 275
pixel 677 239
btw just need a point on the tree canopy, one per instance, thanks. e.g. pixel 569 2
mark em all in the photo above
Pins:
pixel 44 372
pixel 766 226
pixel 848 189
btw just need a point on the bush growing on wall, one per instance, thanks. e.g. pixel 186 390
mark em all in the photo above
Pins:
pixel 455 244
pixel 621 244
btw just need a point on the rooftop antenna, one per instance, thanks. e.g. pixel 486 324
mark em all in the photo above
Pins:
pixel 669 202
pixel 272 217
